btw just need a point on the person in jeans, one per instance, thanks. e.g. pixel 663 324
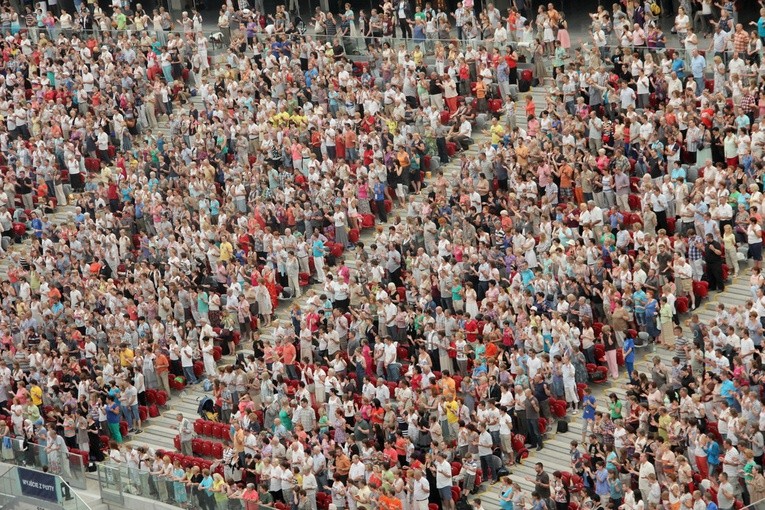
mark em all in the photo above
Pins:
pixel 532 418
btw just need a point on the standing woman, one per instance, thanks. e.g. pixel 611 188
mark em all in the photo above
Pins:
pixel 651 317
pixel 729 241
pixel 506 494
pixel 610 344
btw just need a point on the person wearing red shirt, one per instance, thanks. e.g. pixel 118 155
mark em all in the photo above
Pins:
pixel 288 357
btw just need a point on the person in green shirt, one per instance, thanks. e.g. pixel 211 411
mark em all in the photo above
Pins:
pixel 265 497
pixel 285 418
pixel 457 302
pixel 119 19
pixel 615 407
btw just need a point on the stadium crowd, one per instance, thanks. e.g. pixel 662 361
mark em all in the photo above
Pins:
pixel 431 358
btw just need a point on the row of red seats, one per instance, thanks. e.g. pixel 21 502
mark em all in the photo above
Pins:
pixel 202 447
pixel 188 461
pixel 209 428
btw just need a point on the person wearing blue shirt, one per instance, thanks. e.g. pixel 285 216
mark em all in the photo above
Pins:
pixel 712 449
pixel 651 315
pixel 318 251
pixel 276 48
pixel 678 66
pixel 379 192
pixel 639 297
pixel 588 411
pixel 204 488
pixel 698 67
pixel 506 494
pixel 602 488
pixel 310 75
pixel 728 390
pixel 113 417
pixel 37 226
pixel 629 355
pixel 760 26
pixel 678 172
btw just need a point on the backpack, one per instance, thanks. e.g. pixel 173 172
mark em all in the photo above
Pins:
pixel 655 8
pixel 462 503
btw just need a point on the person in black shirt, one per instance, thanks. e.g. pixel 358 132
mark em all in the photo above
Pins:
pixel 713 256
pixel 25 187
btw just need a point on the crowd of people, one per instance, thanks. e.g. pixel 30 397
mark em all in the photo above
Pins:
pixel 479 311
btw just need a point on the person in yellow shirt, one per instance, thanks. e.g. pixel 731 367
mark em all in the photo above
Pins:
pixel 36 394
pixel 126 356
pixel 226 250
pixel 497 132
pixel 452 410
pixel 417 55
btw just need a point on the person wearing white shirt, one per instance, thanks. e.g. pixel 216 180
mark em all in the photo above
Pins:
pixel 643 89
pixel 533 364
pixel 357 470
pixel 627 97
pixel 506 433
pixel 444 480
pixel 420 490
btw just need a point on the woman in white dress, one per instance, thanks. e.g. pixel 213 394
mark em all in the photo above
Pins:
pixel 471 303
pixel 265 305
pixel 211 369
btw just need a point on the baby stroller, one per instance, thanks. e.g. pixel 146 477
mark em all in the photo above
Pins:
pixel 206 409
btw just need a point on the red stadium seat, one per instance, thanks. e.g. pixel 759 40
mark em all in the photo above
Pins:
pixel 367 220
pixel 600 353
pixel 700 289
pixel 681 305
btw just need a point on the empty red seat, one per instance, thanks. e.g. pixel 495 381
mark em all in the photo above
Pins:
pixel 681 305
pixel 700 289
pixel 92 164
pixel 367 220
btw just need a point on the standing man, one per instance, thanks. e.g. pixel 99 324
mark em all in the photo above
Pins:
pixel 403 13
pixel 444 480
pixel 698 67
pixel 186 433
pixel 318 251
pixel 714 258
pixel 531 406
pixel 420 491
